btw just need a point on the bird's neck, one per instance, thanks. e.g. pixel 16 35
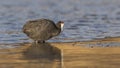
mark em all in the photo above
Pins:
pixel 56 32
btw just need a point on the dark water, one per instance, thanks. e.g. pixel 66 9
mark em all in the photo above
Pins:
pixel 84 19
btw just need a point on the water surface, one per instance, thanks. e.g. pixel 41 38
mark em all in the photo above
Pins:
pixel 84 19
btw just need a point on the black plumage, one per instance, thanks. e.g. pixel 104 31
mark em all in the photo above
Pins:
pixel 42 29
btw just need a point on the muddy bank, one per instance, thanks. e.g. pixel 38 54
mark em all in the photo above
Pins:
pixel 30 56
pixel 104 53
pixel 63 55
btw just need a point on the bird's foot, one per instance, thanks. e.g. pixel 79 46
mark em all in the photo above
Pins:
pixel 41 41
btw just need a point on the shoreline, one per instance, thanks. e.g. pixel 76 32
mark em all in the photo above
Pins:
pixel 63 55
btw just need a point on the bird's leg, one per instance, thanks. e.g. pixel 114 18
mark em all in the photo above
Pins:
pixel 36 41
pixel 41 41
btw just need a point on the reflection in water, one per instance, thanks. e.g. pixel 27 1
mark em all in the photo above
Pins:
pixel 41 51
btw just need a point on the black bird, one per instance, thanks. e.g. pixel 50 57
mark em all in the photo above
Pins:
pixel 42 29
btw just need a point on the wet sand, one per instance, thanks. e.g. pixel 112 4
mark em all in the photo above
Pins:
pixel 30 56
pixel 63 55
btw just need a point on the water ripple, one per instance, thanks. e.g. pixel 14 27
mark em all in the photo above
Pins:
pixel 83 20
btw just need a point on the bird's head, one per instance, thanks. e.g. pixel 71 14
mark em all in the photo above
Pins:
pixel 60 25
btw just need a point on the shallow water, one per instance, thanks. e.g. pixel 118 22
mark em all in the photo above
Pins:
pixel 84 19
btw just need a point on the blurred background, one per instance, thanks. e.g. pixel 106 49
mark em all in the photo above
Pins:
pixel 84 19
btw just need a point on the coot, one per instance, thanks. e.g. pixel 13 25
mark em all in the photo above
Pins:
pixel 42 29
